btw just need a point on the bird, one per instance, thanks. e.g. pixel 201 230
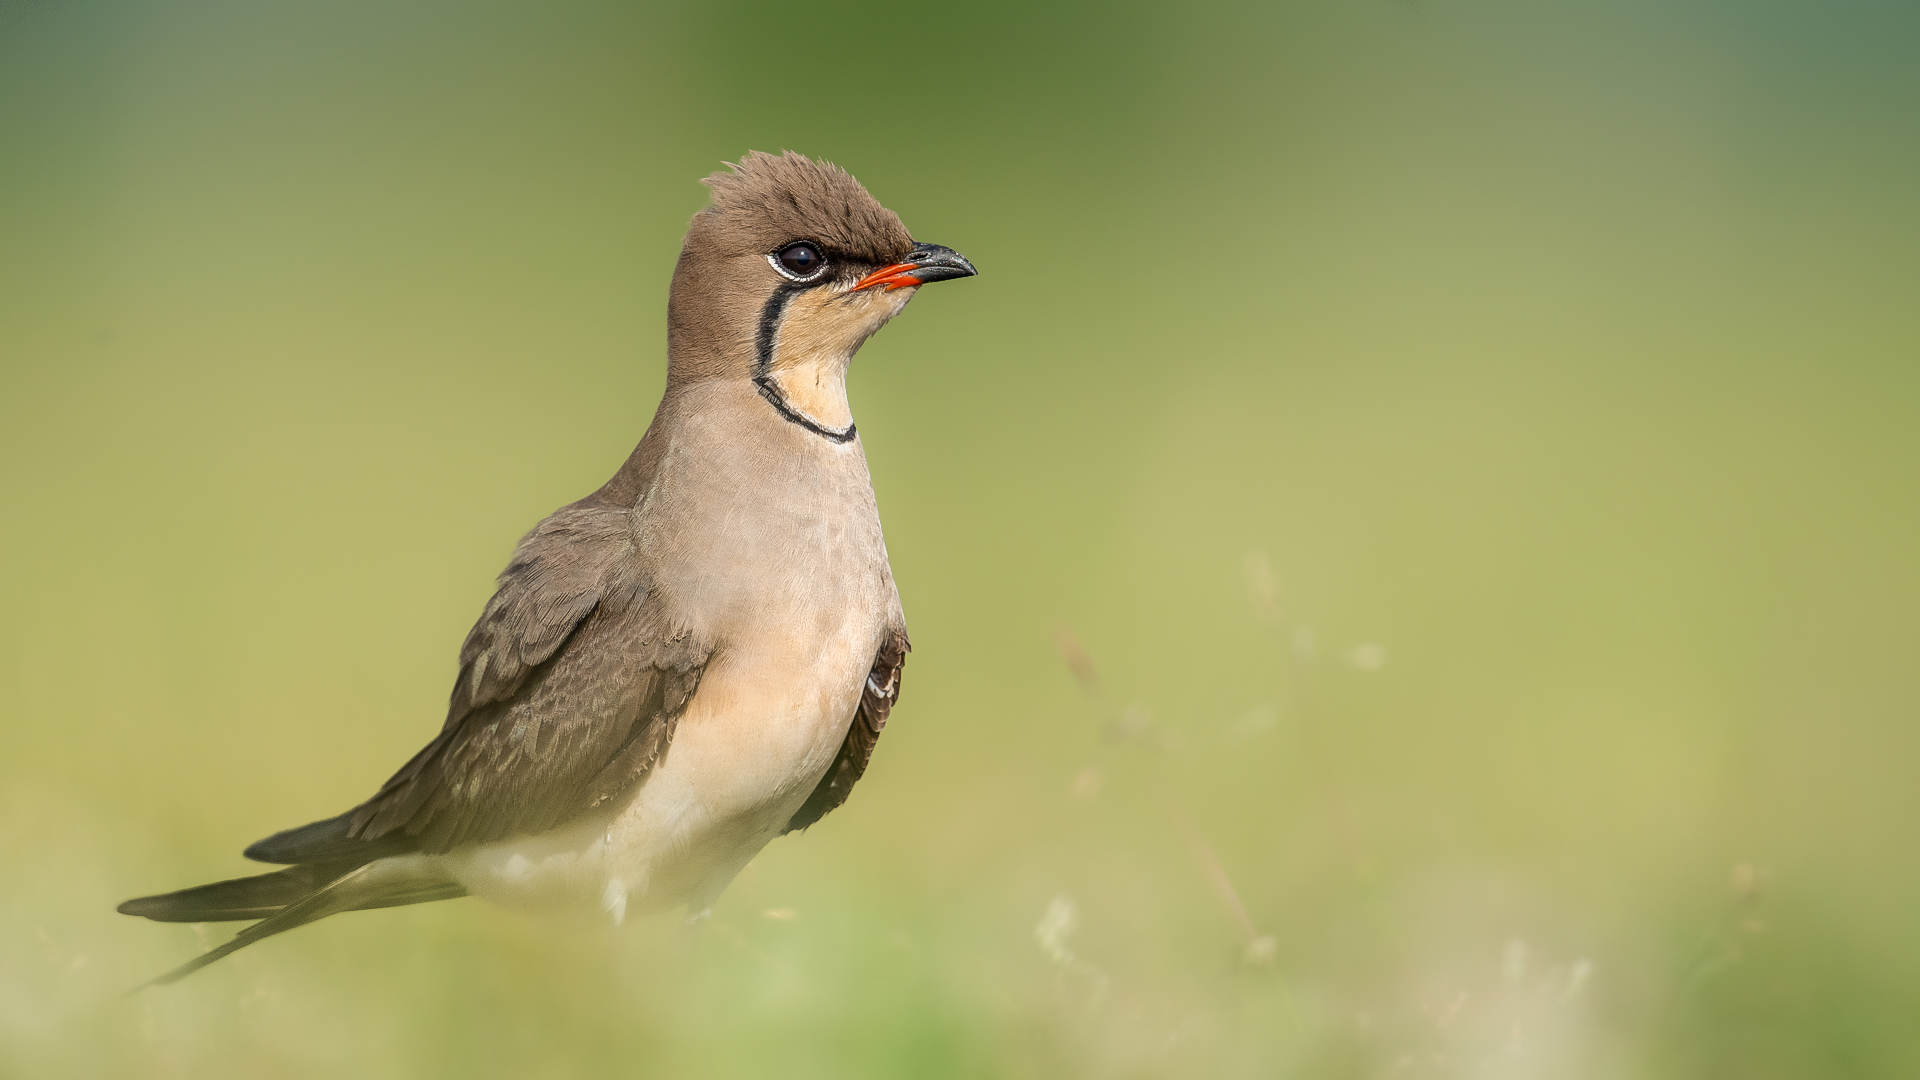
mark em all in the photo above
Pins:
pixel 692 660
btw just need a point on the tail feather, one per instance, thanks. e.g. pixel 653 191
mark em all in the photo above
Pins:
pixel 330 899
pixel 421 892
pixel 224 901
pixel 282 901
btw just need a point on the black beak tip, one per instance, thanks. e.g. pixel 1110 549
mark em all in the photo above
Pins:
pixel 935 263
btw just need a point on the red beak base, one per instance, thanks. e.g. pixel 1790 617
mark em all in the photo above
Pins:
pixel 896 276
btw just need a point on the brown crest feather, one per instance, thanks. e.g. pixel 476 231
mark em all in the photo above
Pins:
pixel 766 201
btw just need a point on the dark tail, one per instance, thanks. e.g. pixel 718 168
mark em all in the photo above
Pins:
pixel 225 901
pixel 362 887
pixel 295 896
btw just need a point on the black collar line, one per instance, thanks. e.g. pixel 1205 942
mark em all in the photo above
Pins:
pixel 771 391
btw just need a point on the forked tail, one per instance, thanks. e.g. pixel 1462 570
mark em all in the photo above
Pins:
pixel 284 900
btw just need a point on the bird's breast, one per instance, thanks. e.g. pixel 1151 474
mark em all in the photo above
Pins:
pixel 773 537
pixel 755 526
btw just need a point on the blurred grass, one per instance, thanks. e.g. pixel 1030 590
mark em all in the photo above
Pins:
pixel 1561 356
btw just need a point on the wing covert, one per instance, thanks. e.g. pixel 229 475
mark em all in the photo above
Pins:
pixel 569 687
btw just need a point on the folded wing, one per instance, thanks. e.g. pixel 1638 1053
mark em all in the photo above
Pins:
pixel 570 686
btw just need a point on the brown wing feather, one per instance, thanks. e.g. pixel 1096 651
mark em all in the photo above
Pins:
pixel 876 702
pixel 570 685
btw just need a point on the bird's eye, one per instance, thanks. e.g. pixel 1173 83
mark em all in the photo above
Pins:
pixel 801 260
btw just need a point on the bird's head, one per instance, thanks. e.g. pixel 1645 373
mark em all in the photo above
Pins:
pixel 786 275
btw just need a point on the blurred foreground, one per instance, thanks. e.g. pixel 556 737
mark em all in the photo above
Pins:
pixel 1410 543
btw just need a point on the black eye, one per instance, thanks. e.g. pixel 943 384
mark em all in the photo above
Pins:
pixel 801 260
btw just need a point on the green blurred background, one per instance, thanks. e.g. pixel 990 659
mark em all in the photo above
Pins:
pixel 1469 449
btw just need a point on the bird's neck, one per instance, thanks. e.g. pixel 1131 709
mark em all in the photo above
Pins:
pixel 814 386
pixel 805 343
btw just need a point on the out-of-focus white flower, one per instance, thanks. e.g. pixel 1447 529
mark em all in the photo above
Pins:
pixel 1055 927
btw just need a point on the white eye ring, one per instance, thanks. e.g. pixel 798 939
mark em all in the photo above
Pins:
pixel 773 260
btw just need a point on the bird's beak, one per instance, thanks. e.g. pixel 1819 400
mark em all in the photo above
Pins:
pixel 925 263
